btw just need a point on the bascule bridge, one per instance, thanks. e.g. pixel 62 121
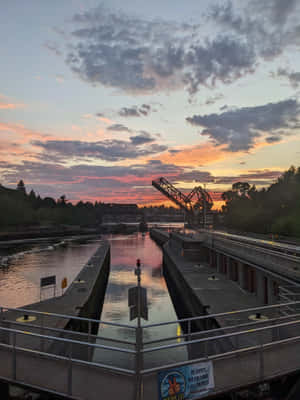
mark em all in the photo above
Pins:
pixel 196 205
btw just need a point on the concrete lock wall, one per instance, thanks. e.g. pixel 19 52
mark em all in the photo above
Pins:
pixel 283 264
pixel 159 236
pixel 81 300
pixel 185 302
pixel 259 282
pixel 189 248
pixel 92 308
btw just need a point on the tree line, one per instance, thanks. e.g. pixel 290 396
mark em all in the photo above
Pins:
pixel 21 209
pixel 275 209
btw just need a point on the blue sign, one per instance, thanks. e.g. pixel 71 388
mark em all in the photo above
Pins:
pixel 186 382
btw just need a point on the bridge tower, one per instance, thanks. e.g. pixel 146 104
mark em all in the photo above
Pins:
pixel 196 205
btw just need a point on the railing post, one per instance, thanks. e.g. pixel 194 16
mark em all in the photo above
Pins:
pixel 70 365
pixel 42 344
pixel 261 356
pixel 14 357
pixel 206 346
pixel 2 335
pixel 139 362
pixel 89 341
pixel 189 330
pixel 274 332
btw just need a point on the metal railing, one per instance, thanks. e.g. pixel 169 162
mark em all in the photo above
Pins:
pixel 152 355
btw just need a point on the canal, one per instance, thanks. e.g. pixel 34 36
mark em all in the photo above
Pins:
pixel 26 264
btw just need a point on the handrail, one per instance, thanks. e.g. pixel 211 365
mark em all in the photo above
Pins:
pixel 227 335
pixel 49 314
pixel 208 316
pixel 123 350
pixel 209 331
pixel 261 248
pixel 245 347
pixel 200 317
pixel 67 331
pixel 70 359
pixel 59 339
pixel 263 243
pixel 221 355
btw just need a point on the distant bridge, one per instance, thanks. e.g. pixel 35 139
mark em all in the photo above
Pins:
pixel 197 204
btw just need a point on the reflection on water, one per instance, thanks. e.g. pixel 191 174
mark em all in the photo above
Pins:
pixel 124 252
pixel 20 280
pixel 20 285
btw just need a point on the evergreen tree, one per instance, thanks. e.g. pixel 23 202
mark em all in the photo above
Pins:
pixel 21 187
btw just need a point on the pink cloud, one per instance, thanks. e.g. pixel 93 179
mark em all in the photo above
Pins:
pixel 20 130
pixel 10 106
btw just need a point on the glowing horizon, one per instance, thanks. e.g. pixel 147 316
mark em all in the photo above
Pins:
pixel 99 99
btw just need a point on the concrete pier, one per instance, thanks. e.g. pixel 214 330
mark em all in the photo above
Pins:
pixel 203 281
pixel 159 236
pixel 83 298
pixel 204 290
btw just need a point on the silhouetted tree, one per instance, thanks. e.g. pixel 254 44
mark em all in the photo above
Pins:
pixel 275 209
pixel 21 187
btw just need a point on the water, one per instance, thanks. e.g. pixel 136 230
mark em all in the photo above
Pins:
pixel 27 264
pixel 20 285
pixel 124 251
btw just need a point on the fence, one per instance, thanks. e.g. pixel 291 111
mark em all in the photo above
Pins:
pixel 269 329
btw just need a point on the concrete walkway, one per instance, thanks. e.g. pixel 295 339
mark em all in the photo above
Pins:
pixel 83 298
pixel 220 294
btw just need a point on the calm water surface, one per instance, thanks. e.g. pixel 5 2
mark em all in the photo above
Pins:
pixel 26 264
pixel 20 281
pixel 124 251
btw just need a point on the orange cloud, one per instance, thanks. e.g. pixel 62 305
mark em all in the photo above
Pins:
pixel 197 155
pixel 9 106
pixel 105 120
pixel 25 133
pixel 206 153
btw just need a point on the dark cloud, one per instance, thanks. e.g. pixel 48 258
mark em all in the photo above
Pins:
pixel 225 107
pixel 213 99
pixel 293 77
pixel 99 114
pixel 273 139
pixel 135 111
pixel 238 128
pixel 129 112
pixel 142 138
pixel 262 25
pixel 117 50
pixel 119 183
pixel 109 150
pixel 84 181
pixel 118 128
pixel 196 176
pixel 258 177
pixel 278 10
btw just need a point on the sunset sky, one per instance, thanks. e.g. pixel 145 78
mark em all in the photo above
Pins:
pixel 99 98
